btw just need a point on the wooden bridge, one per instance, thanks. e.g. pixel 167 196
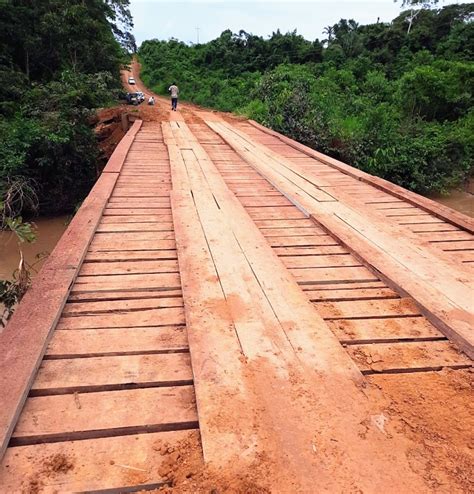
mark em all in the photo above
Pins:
pixel 226 287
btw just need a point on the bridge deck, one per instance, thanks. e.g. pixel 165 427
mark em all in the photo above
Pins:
pixel 234 288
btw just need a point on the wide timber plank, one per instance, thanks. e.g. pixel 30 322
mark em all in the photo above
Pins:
pixel 143 318
pixel 96 464
pixel 79 374
pixel 390 357
pixel 120 306
pixel 380 329
pixel 367 308
pixel 218 370
pixel 135 267
pixel 87 415
pixel 115 341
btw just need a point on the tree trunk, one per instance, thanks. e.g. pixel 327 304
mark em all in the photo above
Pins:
pixel 27 64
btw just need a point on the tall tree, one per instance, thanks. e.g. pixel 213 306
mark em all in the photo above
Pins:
pixel 416 6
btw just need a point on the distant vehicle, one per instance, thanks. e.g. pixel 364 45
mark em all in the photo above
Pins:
pixel 134 99
pixel 131 80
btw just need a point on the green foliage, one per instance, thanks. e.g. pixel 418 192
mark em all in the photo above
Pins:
pixel 439 91
pixel 394 103
pixel 23 231
pixel 59 60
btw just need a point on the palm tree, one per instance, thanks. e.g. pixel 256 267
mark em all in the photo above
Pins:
pixel 329 32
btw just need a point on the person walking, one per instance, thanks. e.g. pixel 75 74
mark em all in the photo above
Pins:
pixel 173 89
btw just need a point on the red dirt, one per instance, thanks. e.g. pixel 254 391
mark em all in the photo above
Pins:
pixel 183 469
pixel 108 130
pixel 436 411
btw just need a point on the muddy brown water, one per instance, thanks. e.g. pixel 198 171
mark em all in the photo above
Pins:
pixel 459 200
pixel 48 232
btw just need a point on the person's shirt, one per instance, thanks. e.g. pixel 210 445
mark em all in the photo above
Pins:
pixel 174 91
pixel 151 99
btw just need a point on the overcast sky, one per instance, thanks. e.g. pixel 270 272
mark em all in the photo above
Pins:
pixel 163 19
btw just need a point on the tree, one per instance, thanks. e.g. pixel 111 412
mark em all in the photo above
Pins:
pixel 416 6
pixel 329 32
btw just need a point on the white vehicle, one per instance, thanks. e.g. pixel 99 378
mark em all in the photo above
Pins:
pixel 141 96
pixel 131 80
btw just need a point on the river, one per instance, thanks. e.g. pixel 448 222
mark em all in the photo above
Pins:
pixel 459 200
pixel 48 232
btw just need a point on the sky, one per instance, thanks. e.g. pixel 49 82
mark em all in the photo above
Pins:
pixel 163 19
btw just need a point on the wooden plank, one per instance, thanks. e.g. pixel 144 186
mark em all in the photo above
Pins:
pixel 105 245
pixel 135 227
pixel 293 232
pixel 367 308
pixel 383 329
pixel 102 342
pixel 265 201
pixel 129 255
pixel 349 285
pixel 445 236
pixel 443 212
pixel 392 357
pixel 277 223
pixel 87 415
pixel 139 206
pixel 129 267
pixel 330 275
pixel 132 237
pixel 310 251
pixel 462 245
pixel 267 214
pixel 119 306
pixel 418 220
pixel 116 198
pixel 433 227
pixel 322 261
pixel 218 370
pixel 155 293
pixel 307 241
pixel 139 202
pixel 124 464
pixel 126 282
pixel 87 374
pixel 350 294
pixel 150 218
pixel 137 212
pixel 143 318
